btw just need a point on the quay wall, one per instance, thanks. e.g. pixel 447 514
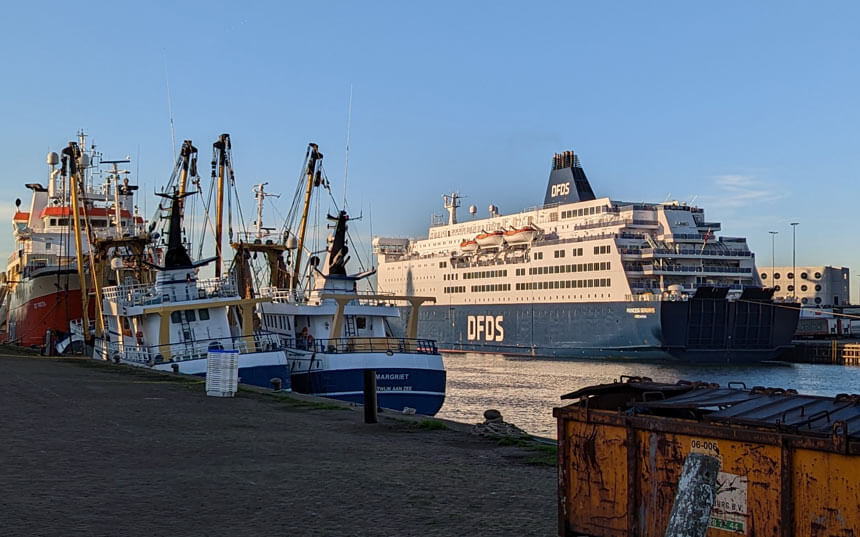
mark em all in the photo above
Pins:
pixel 833 351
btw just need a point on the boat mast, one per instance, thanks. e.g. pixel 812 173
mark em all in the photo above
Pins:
pixel 313 177
pixel 70 158
pixel 220 153
pixel 188 154
pixel 116 190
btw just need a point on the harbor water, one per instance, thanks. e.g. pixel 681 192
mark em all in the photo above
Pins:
pixel 525 390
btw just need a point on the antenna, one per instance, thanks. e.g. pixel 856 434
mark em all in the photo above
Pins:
pixel 346 159
pixel 261 195
pixel 169 107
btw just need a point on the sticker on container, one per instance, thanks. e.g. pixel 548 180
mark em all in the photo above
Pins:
pixel 708 447
pixel 730 505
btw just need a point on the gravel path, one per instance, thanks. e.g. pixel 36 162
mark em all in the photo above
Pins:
pixel 93 449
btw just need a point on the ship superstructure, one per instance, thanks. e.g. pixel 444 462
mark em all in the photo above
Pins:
pixel 588 276
pixel 43 288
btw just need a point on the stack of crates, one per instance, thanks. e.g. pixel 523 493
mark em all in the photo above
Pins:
pixel 222 373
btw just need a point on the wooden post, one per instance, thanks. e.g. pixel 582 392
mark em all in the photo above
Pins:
pixel 694 500
pixel 370 396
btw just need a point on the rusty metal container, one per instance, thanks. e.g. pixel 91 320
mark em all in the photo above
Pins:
pixel 790 464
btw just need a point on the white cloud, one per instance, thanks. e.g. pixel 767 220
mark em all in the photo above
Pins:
pixel 743 190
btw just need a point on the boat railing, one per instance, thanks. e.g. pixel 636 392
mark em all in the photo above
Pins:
pixel 185 350
pixel 604 223
pixel 686 251
pixel 388 345
pixel 113 233
pixel 149 294
pixel 706 268
pixel 363 298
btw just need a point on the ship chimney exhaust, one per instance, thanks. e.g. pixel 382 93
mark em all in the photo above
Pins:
pixel 567 181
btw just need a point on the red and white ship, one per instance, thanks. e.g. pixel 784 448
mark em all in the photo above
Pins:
pixel 42 290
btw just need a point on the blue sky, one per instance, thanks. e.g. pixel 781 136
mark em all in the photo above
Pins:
pixel 750 107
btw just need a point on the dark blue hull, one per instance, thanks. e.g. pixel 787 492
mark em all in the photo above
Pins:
pixel 262 375
pixel 693 331
pixel 397 388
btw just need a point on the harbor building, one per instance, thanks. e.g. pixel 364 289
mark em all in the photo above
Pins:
pixel 823 286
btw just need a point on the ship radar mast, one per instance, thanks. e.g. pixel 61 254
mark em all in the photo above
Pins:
pixel 451 202
pixel 260 195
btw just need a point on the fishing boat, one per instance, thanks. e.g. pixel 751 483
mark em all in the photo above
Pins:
pixel 42 295
pixel 334 332
pixel 173 323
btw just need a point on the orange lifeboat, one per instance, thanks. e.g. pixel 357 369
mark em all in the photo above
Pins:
pixel 490 239
pixel 469 246
pixel 521 235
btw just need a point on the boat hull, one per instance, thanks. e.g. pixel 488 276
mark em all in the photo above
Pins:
pixel 402 380
pixel 257 368
pixel 47 301
pixel 694 331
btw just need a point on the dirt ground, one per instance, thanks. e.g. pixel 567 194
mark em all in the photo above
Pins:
pixel 94 449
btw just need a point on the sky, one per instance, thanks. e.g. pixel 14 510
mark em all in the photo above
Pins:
pixel 748 109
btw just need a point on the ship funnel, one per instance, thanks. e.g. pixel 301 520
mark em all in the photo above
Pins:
pixel 567 181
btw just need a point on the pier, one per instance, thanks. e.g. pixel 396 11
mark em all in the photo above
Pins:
pixel 834 351
pixel 97 449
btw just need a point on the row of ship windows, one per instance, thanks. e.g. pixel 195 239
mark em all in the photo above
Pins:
pixel 582 212
pixel 555 269
pixel 530 286
pixel 491 287
pixel 559 269
pixel 190 316
pixel 65 222
pixel 485 274
pixel 564 284
pixel 276 320
pixel 479 288
pixel 576 252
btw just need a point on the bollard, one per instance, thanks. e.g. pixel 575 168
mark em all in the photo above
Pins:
pixel 370 396
pixel 694 500
pixel 276 383
pixel 175 368
pixel 49 351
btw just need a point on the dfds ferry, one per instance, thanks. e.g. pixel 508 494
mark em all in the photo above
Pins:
pixel 583 276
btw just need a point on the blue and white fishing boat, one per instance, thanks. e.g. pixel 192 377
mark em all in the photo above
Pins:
pixel 332 331
pixel 173 323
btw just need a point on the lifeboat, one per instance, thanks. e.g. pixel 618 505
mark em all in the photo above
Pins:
pixel 468 246
pixel 521 235
pixel 492 238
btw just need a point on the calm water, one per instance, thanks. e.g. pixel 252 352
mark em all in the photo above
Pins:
pixel 525 390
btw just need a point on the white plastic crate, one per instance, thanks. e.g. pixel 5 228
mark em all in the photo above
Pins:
pixel 222 373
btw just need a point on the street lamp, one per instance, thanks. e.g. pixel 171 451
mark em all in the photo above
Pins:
pixel 793 259
pixel 772 258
